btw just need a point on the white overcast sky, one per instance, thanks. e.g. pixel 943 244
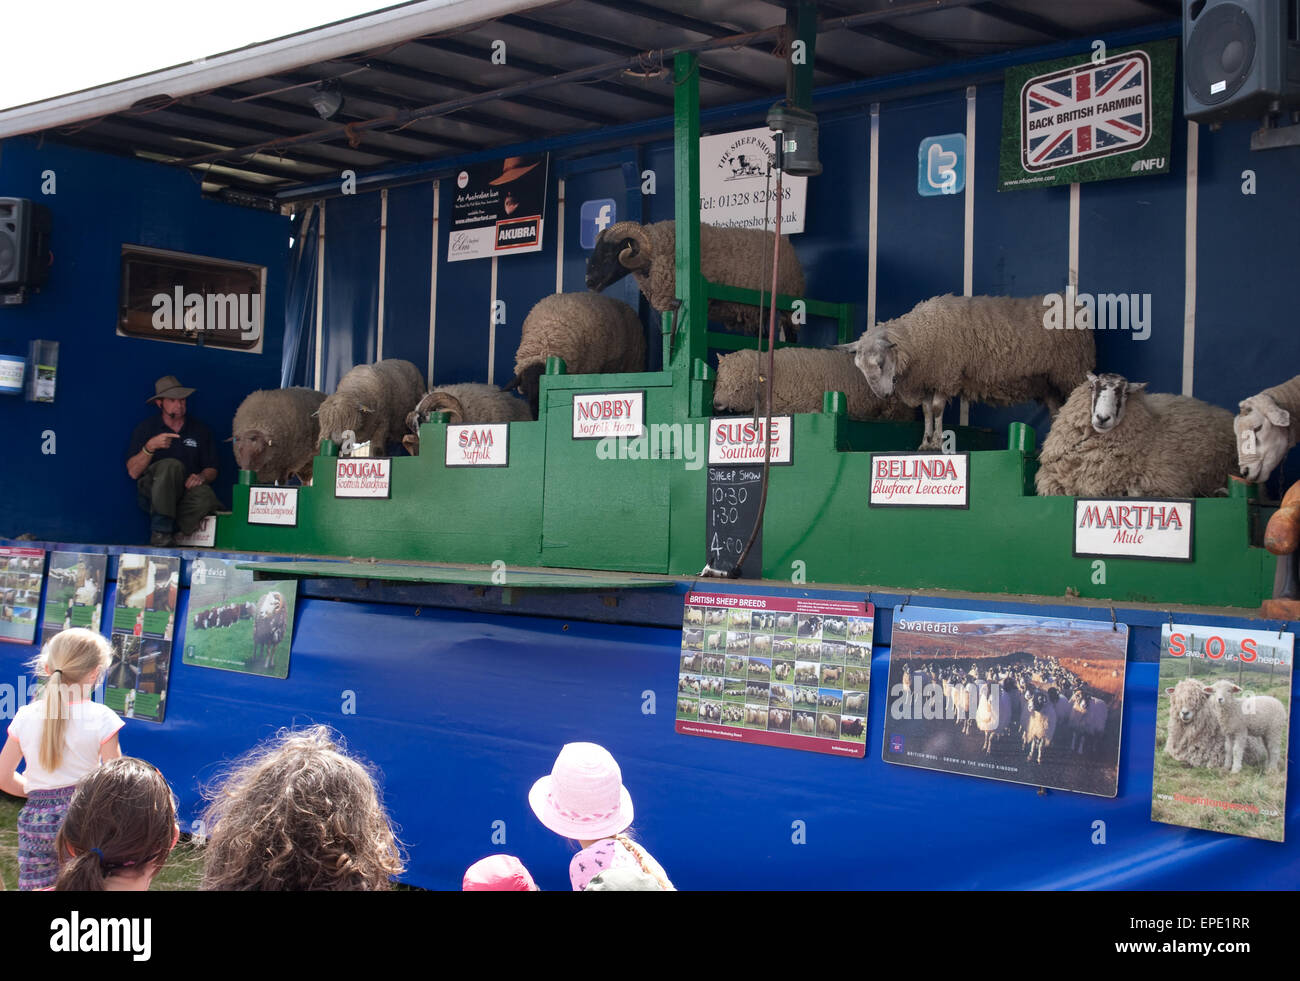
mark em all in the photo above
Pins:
pixel 52 47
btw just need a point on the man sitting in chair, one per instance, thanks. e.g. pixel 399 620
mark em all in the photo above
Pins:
pixel 173 460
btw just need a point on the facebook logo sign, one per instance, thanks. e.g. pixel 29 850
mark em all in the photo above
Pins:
pixel 596 216
pixel 941 165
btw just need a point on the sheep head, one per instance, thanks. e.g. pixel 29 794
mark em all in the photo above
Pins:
pixel 441 402
pixel 1220 694
pixel 1110 394
pixel 1186 699
pixel 621 248
pixel 1263 436
pixel 878 357
pixel 252 447
pixel 340 413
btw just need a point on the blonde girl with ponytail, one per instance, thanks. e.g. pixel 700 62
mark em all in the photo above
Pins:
pixel 62 735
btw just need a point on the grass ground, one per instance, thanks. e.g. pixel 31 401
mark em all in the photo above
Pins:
pixel 182 872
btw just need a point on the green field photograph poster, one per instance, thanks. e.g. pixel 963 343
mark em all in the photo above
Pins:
pixel 236 623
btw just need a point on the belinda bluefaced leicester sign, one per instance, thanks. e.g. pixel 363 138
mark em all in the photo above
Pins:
pixel 744 440
pixel 1088 118
pixel 1132 528
pixel 1033 700
pixel 776 670
pixel 1223 714
pixel 920 480
pixel 609 414
pixel 363 477
pixel 480 445
pixel 273 506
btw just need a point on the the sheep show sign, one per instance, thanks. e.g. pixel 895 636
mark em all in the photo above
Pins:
pixel 735 188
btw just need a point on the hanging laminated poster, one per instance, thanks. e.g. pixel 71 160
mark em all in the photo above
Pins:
pixel 498 207
pixel 776 671
pixel 237 623
pixel 1034 700
pixel 144 620
pixel 20 593
pixel 74 592
pixel 1223 715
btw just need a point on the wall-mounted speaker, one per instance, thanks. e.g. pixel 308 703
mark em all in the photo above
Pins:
pixel 24 244
pixel 1241 58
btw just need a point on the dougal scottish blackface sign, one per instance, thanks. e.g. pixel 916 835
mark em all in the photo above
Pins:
pixel 1088 118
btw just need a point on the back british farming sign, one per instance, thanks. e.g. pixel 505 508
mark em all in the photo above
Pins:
pixel 1088 118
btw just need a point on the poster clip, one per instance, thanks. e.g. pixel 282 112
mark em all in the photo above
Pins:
pixel 1113 625
pixel 1171 620
pixel 1282 628
pixel 905 602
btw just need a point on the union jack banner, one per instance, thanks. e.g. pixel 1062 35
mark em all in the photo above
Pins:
pixel 1085 111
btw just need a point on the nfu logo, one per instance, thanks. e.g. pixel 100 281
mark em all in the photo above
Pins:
pixel 1099 311
pixel 189 312
pixel 1152 163
pixel 596 216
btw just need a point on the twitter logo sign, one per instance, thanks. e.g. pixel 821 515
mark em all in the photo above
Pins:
pixel 941 165
pixel 596 216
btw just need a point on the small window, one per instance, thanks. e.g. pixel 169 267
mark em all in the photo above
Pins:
pixel 190 299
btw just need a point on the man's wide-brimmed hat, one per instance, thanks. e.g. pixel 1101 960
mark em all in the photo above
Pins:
pixel 169 387
pixel 512 168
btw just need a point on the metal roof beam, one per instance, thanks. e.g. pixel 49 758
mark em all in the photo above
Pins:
pixel 1023 18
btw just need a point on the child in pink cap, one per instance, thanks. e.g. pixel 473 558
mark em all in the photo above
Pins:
pixel 498 873
pixel 584 798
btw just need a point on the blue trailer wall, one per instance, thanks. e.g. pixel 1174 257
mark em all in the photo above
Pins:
pixel 63 473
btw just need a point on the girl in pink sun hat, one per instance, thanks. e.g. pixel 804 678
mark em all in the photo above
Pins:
pixel 583 798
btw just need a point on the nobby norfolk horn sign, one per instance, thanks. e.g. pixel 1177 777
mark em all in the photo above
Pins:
pixel 609 414
pixel 1134 528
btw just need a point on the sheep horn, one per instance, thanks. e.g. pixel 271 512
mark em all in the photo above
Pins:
pixel 636 251
pixel 442 402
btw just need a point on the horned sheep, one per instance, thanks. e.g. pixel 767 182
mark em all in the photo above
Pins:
pixel 275 434
pixel 728 256
pixel 1112 439
pixel 371 402
pixel 1267 425
pixel 990 349
pixel 801 375
pixel 593 334
pixel 1255 715
pixel 465 403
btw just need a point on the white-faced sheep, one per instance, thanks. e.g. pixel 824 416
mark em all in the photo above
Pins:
pixel 1112 439
pixel 1267 425
pixel 990 349
pixel 594 334
pixel 1255 715
pixel 694 614
pixel 801 376
pixel 828 724
pixel 371 401
pixel 855 701
pixel 270 626
pixel 465 403
pixel 988 714
pixel 274 432
pixel 805 721
pixel 728 256
pixel 1195 735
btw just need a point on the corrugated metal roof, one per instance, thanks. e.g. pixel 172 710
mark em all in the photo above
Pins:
pixel 425 94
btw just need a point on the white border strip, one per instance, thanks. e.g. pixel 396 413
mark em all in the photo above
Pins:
pixel 492 324
pixel 433 284
pixel 318 371
pixel 383 266
pixel 559 236
pixel 1189 258
pixel 1072 273
pixel 873 182
pixel 968 231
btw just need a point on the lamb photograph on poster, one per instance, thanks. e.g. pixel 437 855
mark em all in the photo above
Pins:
pixel 1223 712
pixel 1032 700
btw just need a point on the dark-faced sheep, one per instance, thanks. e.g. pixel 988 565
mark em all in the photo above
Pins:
pixel 728 256
pixel 275 433
pixel 593 334
pixel 371 402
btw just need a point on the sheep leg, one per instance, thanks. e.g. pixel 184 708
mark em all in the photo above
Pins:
pixel 1237 751
pixel 1274 743
pixel 933 410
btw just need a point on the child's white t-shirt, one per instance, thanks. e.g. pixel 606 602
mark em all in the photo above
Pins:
pixel 89 726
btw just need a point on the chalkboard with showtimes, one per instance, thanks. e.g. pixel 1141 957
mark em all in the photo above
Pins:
pixel 731 510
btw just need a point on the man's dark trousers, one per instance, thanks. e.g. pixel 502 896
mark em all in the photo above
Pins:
pixel 173 508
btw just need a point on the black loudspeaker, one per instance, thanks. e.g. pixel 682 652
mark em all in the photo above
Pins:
pixel 24 243
pixel 1241 58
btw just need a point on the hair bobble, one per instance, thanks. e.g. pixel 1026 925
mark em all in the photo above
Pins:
pixel 99 853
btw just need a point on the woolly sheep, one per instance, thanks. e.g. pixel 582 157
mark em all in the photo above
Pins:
pixel 270 626
pixel 1267 425
pixel 1195 735
pixel 1041 726
pixel 468 402
pixel 990 349
pixel 1087 715
pixel 372 401
pixel 801 376
pixel 1255 715
pixel 805 721
pixel 1113 439
pixel 594 334
pixel 694 615
pixel 275 435
pixel 728 256
pixel 828 724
